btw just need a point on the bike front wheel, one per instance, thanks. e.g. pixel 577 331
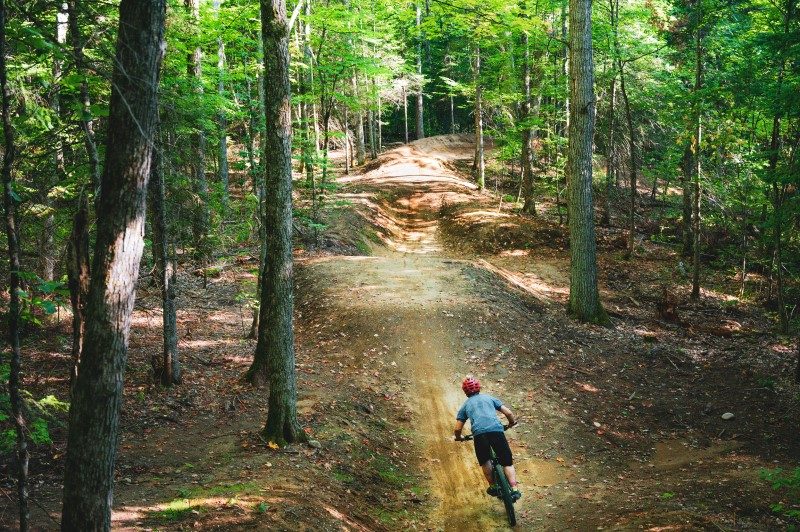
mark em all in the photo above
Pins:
pixel 505 494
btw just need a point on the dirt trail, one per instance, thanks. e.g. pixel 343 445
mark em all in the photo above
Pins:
pixel 420 294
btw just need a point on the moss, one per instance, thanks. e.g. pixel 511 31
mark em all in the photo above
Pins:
pixel 176 510
pixel 219 490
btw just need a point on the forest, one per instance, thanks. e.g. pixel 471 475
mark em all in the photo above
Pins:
pixel 253 248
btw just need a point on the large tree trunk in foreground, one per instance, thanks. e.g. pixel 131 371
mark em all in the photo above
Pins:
pixel 14 383
pixel 274 356
pixel 168 370
pixel 94 411
pixel 584 300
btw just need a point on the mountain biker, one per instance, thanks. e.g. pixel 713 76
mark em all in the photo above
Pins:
pixel 481 410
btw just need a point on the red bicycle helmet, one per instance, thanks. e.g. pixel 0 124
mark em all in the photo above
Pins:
pixel 471 385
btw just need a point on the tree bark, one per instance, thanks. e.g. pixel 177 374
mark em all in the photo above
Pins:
pixel 686 180
pixel 797 368
pixel 480 166
pixel 94 411
pixel 405 111
pixel 529 205
pixel 359 125
pixel 309 137
pixel 168 369
pixel 584 299
pixel 222 119
pixel 697 143
pixel 633 169
pixel 78 276
pixel 420 98
pixel 779 190
pixel 274 357
pixel 610 151
pixel 46 244
pixel 201 225
pixel 14 382
pixel 87 125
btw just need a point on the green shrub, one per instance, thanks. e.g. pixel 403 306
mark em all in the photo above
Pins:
pixel 40 414
pixel 788 484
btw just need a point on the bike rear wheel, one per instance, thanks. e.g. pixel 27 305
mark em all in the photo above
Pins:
pixel 505 493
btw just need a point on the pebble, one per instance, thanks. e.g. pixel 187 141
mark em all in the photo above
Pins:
pixel 727 415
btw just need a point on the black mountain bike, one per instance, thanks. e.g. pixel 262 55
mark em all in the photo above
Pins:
pixel 499 479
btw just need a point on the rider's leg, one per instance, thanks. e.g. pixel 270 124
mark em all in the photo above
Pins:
pixel 487 471
pixel 511 475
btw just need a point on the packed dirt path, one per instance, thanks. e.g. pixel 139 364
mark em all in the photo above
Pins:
pixel 415 297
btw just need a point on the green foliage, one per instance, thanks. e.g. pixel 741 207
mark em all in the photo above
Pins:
pixel 42 298
pixel 40 414
pixel 787 483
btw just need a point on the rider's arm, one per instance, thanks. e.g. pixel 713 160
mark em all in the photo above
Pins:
pixel 458 429
pixel 512 420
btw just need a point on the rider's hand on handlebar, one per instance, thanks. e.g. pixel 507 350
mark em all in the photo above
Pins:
pixel 459 437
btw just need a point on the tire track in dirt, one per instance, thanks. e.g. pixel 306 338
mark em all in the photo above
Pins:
pixel 422 295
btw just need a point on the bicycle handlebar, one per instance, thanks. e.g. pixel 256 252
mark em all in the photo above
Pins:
pixel 469 437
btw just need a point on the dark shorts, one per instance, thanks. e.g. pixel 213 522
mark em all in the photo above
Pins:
pixel 493 440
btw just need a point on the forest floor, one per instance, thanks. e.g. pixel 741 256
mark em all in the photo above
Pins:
pixel 417 280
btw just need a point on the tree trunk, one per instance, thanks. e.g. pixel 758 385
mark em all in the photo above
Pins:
pixel 94 411
pixel 14 382
pixel 420 99
pixel 686 180
pixel 201 226
pixel 46 246
pixel 452 115
pixel 78 280
pixel 348 154
pixel 529 205
pixel 169 368
pixel 371 128
pixel 274 356
pixel 633 169
pixel 222 120
pixel 610 155
pixel 379 124
pixel 584 299
pixel 359 126
pixel 697 143
pixel 310 141
pixel 779 190
pixel 479 160
pixel 86 122
pixel 405 111
pixel 797 368
pixel 778 193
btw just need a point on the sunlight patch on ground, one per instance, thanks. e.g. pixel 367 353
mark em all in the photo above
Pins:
pixel 336 514
pixel 206 344
pixel 485 214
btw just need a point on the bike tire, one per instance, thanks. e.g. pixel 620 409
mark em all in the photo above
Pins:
pixel 505 494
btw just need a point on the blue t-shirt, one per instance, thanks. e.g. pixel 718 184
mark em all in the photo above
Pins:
pixel 481 410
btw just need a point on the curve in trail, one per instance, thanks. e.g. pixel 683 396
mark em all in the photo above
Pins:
pixel 418 292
